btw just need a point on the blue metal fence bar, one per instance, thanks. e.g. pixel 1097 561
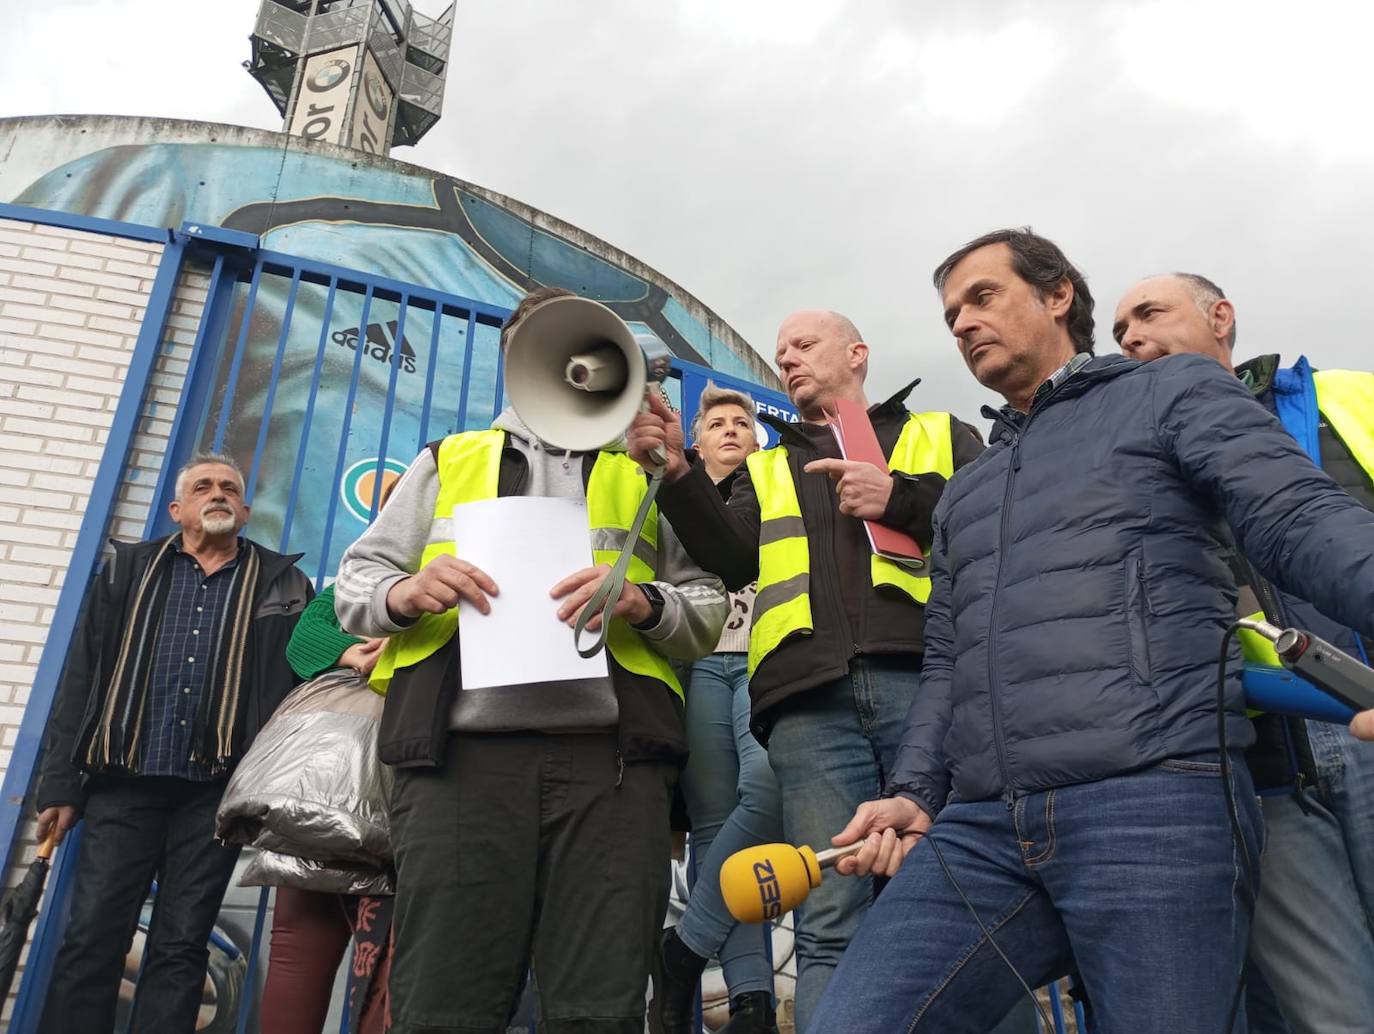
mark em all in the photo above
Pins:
pixel 272 388
pixel 498 395
pixel 461 421
pixel 430 368
pixel 249 979
pixel 1056 1008
pixel 91 224
pixel 343 443
pixel 346 1013
pixel 390 406
pixel 309 415
pixel 86 553
pixel 383 288
pixel 236 364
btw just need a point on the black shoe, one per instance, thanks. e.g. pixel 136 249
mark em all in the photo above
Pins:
pixel 751 1013
pixel 677 973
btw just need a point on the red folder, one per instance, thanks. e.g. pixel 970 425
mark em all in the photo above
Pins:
pixel 858 441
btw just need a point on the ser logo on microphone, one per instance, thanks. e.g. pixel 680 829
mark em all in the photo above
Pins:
pixel 770 894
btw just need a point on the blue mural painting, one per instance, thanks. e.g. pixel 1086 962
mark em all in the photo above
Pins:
pixel 388 219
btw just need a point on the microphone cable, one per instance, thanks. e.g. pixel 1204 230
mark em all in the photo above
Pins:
pixel 1247 883
pixel 949 875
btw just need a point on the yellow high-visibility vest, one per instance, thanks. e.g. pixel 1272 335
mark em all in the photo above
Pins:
pixel 783 606
pixel 469 467
pixel 1346 399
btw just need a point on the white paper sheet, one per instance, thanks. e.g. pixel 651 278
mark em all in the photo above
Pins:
pixel 526 544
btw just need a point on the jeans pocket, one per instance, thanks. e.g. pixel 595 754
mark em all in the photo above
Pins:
pixel 1187 766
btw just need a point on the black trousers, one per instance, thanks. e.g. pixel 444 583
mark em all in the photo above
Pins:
pixel 528 849
pixel 137 828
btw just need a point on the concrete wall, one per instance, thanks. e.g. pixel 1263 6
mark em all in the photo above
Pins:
pixel 71 306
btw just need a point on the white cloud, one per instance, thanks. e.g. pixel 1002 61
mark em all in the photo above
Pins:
pixel 1290 75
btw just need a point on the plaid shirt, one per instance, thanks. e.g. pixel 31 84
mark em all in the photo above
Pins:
pixel 188 639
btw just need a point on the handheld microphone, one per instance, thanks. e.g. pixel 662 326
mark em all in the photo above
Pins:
pixel 761 883
pixel 1333 671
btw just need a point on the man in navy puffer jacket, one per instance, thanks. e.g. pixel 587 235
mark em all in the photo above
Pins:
pixel 1064 731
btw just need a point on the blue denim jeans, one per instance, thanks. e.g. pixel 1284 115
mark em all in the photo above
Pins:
pixel 1134 879
pixel 1312 934
pixel 732 798
pixel 831 751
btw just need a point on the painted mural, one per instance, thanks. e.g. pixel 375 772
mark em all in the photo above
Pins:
pixel 365 213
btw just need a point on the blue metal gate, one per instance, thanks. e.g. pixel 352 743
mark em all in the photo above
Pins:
pixel 323 382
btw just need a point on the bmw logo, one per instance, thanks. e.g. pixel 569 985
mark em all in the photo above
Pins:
pixel 329 75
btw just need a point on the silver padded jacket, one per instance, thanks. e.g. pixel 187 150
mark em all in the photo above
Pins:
pixel 311 795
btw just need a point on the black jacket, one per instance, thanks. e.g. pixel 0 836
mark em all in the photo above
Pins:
pixel 414 729
pixel 282 593
pixel 851 617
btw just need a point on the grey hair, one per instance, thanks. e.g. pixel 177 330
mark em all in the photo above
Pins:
pixel 1206 293
pixel 200 459
pixel 711 397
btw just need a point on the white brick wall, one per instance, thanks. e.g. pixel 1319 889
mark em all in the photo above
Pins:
pixel 71 305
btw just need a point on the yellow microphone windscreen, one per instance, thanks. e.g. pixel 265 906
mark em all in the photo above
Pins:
pixel 761 883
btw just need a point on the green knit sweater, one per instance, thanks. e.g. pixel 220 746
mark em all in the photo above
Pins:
pixel 318 642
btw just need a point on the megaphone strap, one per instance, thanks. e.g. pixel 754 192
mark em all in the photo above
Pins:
pixel 603 601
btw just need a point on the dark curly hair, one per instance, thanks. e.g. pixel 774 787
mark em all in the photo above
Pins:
pixel 1039 262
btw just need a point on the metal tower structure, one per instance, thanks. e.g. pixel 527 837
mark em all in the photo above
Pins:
pixel 363 73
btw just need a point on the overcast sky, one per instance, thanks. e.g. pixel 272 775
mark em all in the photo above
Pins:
pixel 776 154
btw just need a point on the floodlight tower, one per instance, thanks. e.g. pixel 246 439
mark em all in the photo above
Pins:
pixel 363 73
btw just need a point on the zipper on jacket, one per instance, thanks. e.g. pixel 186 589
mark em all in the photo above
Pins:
pixel 619 768
pixel 826 540
pixel 998 737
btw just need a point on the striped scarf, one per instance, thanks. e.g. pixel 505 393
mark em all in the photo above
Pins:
pixel 115 743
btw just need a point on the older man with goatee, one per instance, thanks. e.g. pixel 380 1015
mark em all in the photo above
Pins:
pixel 177 660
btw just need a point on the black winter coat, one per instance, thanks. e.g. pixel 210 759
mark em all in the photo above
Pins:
pixel 1082 583
pixel 282 593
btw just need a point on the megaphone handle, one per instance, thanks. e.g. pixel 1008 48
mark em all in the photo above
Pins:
pixel 657 453
pixel 603 601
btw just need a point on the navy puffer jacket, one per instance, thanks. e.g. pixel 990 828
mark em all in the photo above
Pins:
pixel 1081 583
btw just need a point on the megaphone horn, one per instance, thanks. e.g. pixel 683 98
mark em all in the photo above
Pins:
pixel 576 372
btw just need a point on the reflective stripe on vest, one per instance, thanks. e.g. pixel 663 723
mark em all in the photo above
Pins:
pixel 469 468
pixel 783 606
pixel 924 447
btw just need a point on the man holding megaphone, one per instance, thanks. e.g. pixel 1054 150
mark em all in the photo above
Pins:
pixel 530 822
pixel 837 636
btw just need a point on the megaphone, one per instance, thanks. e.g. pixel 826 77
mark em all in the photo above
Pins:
pixel 576 372
pixel 761 883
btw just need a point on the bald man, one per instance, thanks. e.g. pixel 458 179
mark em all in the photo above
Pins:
pixel 837 639
pixel 1311 937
